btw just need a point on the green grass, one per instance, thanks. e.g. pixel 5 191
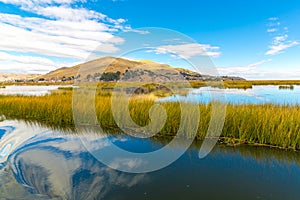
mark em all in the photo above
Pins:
pixel 271 125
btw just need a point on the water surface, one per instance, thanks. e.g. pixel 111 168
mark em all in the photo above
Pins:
pixel 40 163
pixel 31 90
pixel 256 95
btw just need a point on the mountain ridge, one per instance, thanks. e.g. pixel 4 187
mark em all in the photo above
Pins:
pixel 113 69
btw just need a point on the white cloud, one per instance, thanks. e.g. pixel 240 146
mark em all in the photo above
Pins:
pixel 63 31
pixel 279 48
pixel 273 22
pixel 273 75
pixel 25 59
pixel 280 41
pixel 29 64
pixel 61 9
pixel 24 68
pixel 243 71
pixel 53 37
pixel 256 71
pixel 142 32
pixel 272 30
pixel 30 3
pixel 68 13
pixel 189 50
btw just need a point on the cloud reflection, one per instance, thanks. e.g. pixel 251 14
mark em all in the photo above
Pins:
pixel 51 166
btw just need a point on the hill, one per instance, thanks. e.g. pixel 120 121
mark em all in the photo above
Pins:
pixel 5 77
pixel 112 69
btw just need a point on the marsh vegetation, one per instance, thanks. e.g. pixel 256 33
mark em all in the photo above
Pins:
pixel 267 124
pixel 286 87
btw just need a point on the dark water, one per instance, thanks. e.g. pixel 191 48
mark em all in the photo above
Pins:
pixel 38 163
pixel 256 95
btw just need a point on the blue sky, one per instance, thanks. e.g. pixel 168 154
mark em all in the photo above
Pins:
pixel 256 39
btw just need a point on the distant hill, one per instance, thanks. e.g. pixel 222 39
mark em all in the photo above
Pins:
pixel 16 77
pixel 112 69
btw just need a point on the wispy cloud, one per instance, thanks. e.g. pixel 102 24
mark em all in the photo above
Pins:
pixel 26 59
pixel 29 64
pixel 279 48
pixel 280 41
pixel 243 71
pixel 189 50
pixel 272 30
pixel 62 30
pixel 256 71
pixel 139 31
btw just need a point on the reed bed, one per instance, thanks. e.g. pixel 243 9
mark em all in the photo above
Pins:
pixel 286 87
pixel 239 84
pixel 244 84
pixel 272 125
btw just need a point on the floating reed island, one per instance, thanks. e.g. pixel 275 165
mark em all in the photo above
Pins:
pixel 286 87
pixel 270 125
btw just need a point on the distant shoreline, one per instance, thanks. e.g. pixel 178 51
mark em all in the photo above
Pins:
pixel 240 84
pixel 268 125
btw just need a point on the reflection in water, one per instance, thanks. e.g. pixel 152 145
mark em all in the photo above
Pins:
pixel 256 95
pixel 41 166
pixel 28 90
pixel 39 163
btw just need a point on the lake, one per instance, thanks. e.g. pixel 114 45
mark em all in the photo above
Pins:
pixel 256 95
pixel 28 90
pixel 40 163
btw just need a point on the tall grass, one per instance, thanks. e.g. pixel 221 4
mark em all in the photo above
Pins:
pixel 272 125
pixel 53 109
pixel 241 84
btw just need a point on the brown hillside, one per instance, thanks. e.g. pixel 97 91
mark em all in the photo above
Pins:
pixel 132 70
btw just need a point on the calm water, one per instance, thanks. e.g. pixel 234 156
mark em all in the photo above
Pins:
pixel 39 163
pixel 28 90
pixel 256 95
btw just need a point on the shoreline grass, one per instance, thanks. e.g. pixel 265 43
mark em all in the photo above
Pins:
pixel 36 83
pixel 238 84
pixel 272 125
pixel 247 84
